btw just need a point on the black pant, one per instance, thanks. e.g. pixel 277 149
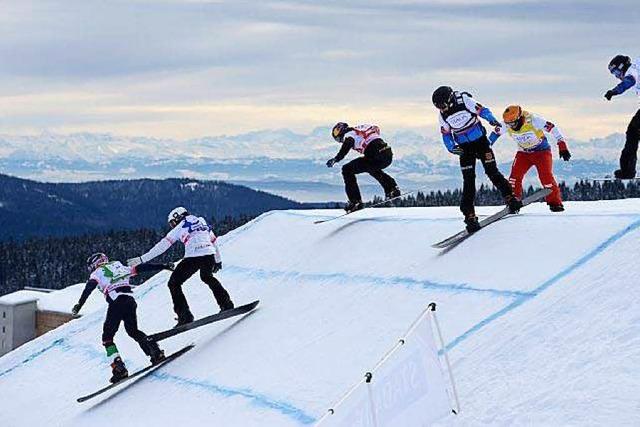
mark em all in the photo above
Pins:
pixel 479 149
pixel 184 271
pixel 123 309
pixel 629 154
pixel 373 164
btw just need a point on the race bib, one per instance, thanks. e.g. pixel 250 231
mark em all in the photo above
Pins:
pixel 460 120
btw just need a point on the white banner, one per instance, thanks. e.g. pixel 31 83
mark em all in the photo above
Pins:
pixel 408 389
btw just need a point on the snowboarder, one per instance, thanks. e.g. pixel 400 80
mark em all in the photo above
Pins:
pixel 528 130
pixel 112 278
pixel 201 254
pixel 365 139
pixel 464 135
pixel 628 72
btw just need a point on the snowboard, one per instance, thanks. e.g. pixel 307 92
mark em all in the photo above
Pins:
pixel 138 374
pixel 367 207
pixel 459 237
pixel 205 321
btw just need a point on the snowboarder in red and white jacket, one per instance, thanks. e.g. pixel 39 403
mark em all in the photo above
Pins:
pixel 365 139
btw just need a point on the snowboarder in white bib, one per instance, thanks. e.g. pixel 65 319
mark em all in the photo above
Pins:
pixel 365 139
pixel 112 278
pixel 464 136
pixel 201 253
pixel 628 72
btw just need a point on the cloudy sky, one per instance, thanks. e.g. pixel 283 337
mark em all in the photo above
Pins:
pixel 190 68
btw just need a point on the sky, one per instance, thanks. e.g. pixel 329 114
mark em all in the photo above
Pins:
pixel 192 68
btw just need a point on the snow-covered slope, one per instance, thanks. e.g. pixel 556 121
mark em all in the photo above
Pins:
pixel 540 313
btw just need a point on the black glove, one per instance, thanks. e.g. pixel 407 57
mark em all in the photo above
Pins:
pixel 610 94
pixel 565 155
pixel 170 266
pixel 331 162
pixel 494 123
pixel 76 309
pixel 457 150
pixel 217 267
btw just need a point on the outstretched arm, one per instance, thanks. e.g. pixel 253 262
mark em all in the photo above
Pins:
pixel 155 251
pixel 627 83
pixel 88 288
pixel 479 109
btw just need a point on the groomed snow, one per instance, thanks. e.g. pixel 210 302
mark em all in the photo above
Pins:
pixel 539 312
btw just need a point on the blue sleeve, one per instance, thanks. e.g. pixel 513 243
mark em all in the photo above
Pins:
pixel 627 83
pixel 486 114
pixel 447 138
pixel 493 137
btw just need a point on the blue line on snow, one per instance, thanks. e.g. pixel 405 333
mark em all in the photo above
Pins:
pixel 547 284
pixel 33 356
pixel 257 399
pixel 389 281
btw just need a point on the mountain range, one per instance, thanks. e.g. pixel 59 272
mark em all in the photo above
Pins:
pixel 281 161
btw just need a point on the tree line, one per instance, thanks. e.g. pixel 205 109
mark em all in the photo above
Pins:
pixel 56 262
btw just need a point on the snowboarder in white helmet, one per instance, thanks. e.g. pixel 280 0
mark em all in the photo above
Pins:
pixel 628 72
pixel 201 253
pixel 112 278
pixel 365 139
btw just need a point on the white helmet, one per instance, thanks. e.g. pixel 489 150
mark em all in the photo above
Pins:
pixel 177 215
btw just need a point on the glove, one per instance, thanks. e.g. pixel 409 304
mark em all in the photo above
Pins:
pixel 132 262
pixel 495 123
pixel 76 309
pixel 331 162
pixel 170 266
pixel 564 151
pixel 610 94
pixel 217 267
pixel 457 150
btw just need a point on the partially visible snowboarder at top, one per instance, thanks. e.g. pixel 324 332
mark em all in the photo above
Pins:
pixel 464 135
pixel 365 139
pixel 529 131
pixel 201 253
pixel 112 278
pixel 628 72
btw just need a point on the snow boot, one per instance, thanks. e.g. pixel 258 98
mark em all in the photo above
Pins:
pixel 154 352
pixel 353 206
pixel 393 193
pixel 227 305
pixel 556 207
pixel 118 370
pixel 513 203
pixel 183 319
pixel 624 174
pixel 473 225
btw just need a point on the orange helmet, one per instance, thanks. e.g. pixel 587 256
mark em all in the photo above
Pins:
pixel 512 116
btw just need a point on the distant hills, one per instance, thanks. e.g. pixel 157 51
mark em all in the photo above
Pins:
pixel 280 161
pixel 30 208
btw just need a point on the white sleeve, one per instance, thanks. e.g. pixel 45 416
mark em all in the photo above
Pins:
pixel 444 126
pixel 541 123
pixel 471 104
pixel 160 247
pixel 214 240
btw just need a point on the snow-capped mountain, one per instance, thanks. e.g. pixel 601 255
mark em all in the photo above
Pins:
pixel 260 158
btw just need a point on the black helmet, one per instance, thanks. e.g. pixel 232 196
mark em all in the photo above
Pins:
pixel 619 65
pixel 339 130
pixel 441 97
pixel 96 260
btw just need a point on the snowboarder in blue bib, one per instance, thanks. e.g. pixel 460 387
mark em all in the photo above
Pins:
pixel 464 136
pixel 112 278
pixel 628 72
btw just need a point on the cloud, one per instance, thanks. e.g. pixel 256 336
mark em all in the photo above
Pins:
pixel 191 68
